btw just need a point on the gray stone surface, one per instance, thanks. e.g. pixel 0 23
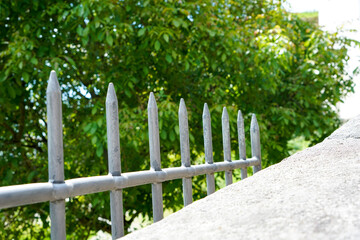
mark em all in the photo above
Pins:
pixel 314 194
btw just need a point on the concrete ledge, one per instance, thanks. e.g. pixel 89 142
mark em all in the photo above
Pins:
pixel 314 194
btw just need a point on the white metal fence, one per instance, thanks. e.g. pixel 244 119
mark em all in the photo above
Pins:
pixel 57 189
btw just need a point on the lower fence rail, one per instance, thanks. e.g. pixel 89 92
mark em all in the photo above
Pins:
pixel 57 190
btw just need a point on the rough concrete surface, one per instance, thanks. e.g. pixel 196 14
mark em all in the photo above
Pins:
pixel 314 194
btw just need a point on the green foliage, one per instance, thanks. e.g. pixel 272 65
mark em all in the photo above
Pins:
pixel 312 17
pixel 248 55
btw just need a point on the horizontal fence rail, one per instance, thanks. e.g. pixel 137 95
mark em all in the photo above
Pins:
pixel 57 189
pixel 18 195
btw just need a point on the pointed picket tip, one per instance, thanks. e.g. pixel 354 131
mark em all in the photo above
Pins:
pixel 240 117
pixel 111 94
pixel 152 101
pixel 206 112
pixel 182 107
pixel 225 115
pixel 53 85
pixel 254 123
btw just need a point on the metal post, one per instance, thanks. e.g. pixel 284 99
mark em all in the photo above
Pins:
pixel 155 160
pixel 210 181
pixel 241 140
pixel 55 155
pixel 226 144
pixel 185 151
pixel 255 142
pixel 113 142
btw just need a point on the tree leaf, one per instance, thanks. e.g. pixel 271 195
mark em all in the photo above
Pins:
pixel 141 32
pixel 172 136
pixel 157 45
pixel 99 151
pixel 163 135
pixel 223 57
pixel 109 40
pixel 34 61
pixel 94 140
pixel 168 58
pixel 25 76
pixel 166 37
pixel 87 127
pixel 176 23
pixel 187 65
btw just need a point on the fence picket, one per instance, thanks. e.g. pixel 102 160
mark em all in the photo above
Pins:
pixel 226 144
pixel 155 160
pixel 185 150
pixel 113 142
pixel 55 155
pixel 255 142
pixel 241 140
pixel 210 181
pixel 57 189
